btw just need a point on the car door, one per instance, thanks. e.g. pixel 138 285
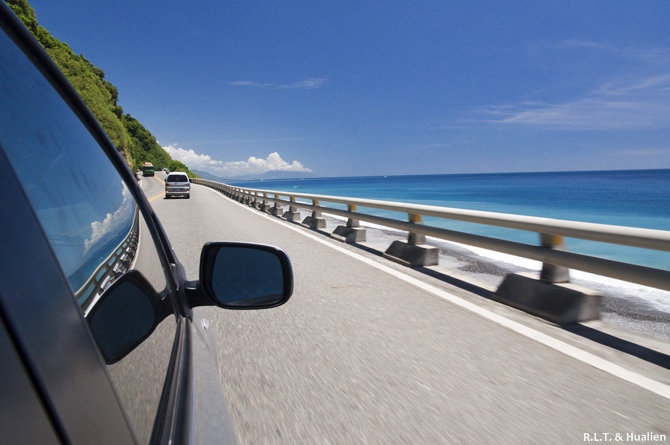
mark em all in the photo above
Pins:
pixel 97 343
pixel 75 223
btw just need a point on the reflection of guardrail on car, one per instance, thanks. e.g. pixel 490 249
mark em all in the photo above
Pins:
pixel 116 264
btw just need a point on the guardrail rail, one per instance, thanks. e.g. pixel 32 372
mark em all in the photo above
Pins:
pixel 550 251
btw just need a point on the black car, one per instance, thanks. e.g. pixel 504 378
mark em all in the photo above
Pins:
pixel 98 341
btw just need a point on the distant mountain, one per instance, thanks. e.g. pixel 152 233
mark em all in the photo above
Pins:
pixel 205 175
pixel 256 177
pixel 275 175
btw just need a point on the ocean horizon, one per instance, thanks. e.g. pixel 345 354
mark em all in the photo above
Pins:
pixel 634 198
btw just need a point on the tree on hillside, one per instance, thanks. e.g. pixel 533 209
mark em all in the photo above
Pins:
pixel 25 12
pixel 133 141
pixel 145 147
pixel 178 166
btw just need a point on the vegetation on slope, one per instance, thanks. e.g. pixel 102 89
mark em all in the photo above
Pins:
pixel 135 143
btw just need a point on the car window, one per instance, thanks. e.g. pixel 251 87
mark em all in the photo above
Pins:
pixel 88 214
pixel 177 178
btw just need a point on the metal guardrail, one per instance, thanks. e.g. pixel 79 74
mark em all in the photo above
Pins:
pixel 551 251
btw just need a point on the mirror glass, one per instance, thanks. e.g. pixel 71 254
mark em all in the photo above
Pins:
pixel 244 276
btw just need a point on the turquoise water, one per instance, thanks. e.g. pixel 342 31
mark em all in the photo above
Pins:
pixel 635 198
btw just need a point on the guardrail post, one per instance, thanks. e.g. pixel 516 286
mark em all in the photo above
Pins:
pixel 276 209
pixel 315 220
pixel 292 213
pixel 414 238
pixel 264 204
pixel 550 272
pixel 253 201
pixel 352 232
pixel 414 252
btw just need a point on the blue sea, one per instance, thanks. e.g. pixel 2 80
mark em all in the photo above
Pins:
pixel 635 198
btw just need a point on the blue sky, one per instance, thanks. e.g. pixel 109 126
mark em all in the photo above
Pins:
pixel 347 88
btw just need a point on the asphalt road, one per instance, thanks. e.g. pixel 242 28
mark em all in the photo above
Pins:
pixel 369 352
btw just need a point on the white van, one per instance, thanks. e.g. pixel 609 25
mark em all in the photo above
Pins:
pixel 177 184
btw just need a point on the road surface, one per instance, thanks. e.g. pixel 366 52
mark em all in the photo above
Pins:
pixel 369 352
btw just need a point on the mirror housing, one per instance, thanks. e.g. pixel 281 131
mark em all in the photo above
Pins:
pixel 125 315
pixel 242 276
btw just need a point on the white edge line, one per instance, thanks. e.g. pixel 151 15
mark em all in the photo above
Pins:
pixel 654 386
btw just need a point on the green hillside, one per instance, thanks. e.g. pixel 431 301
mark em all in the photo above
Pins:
pixel 135 143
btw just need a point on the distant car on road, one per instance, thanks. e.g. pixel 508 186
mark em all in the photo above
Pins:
pixel 99 343
pixel 148 169
pixel 177 184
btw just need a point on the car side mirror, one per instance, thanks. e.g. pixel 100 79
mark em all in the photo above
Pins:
pixel 242 276
pixel 125 315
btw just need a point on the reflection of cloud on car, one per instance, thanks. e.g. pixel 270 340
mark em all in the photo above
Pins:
pixel 112 221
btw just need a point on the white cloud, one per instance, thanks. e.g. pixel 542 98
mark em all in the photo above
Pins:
pixel 589 114
pixel 647 86
pixel 632 103
pixel 192 159
pixel 639 152
pixel 311 83
pixel 620 87
pixel 623 55
pixel 251 83
pixel 251 166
